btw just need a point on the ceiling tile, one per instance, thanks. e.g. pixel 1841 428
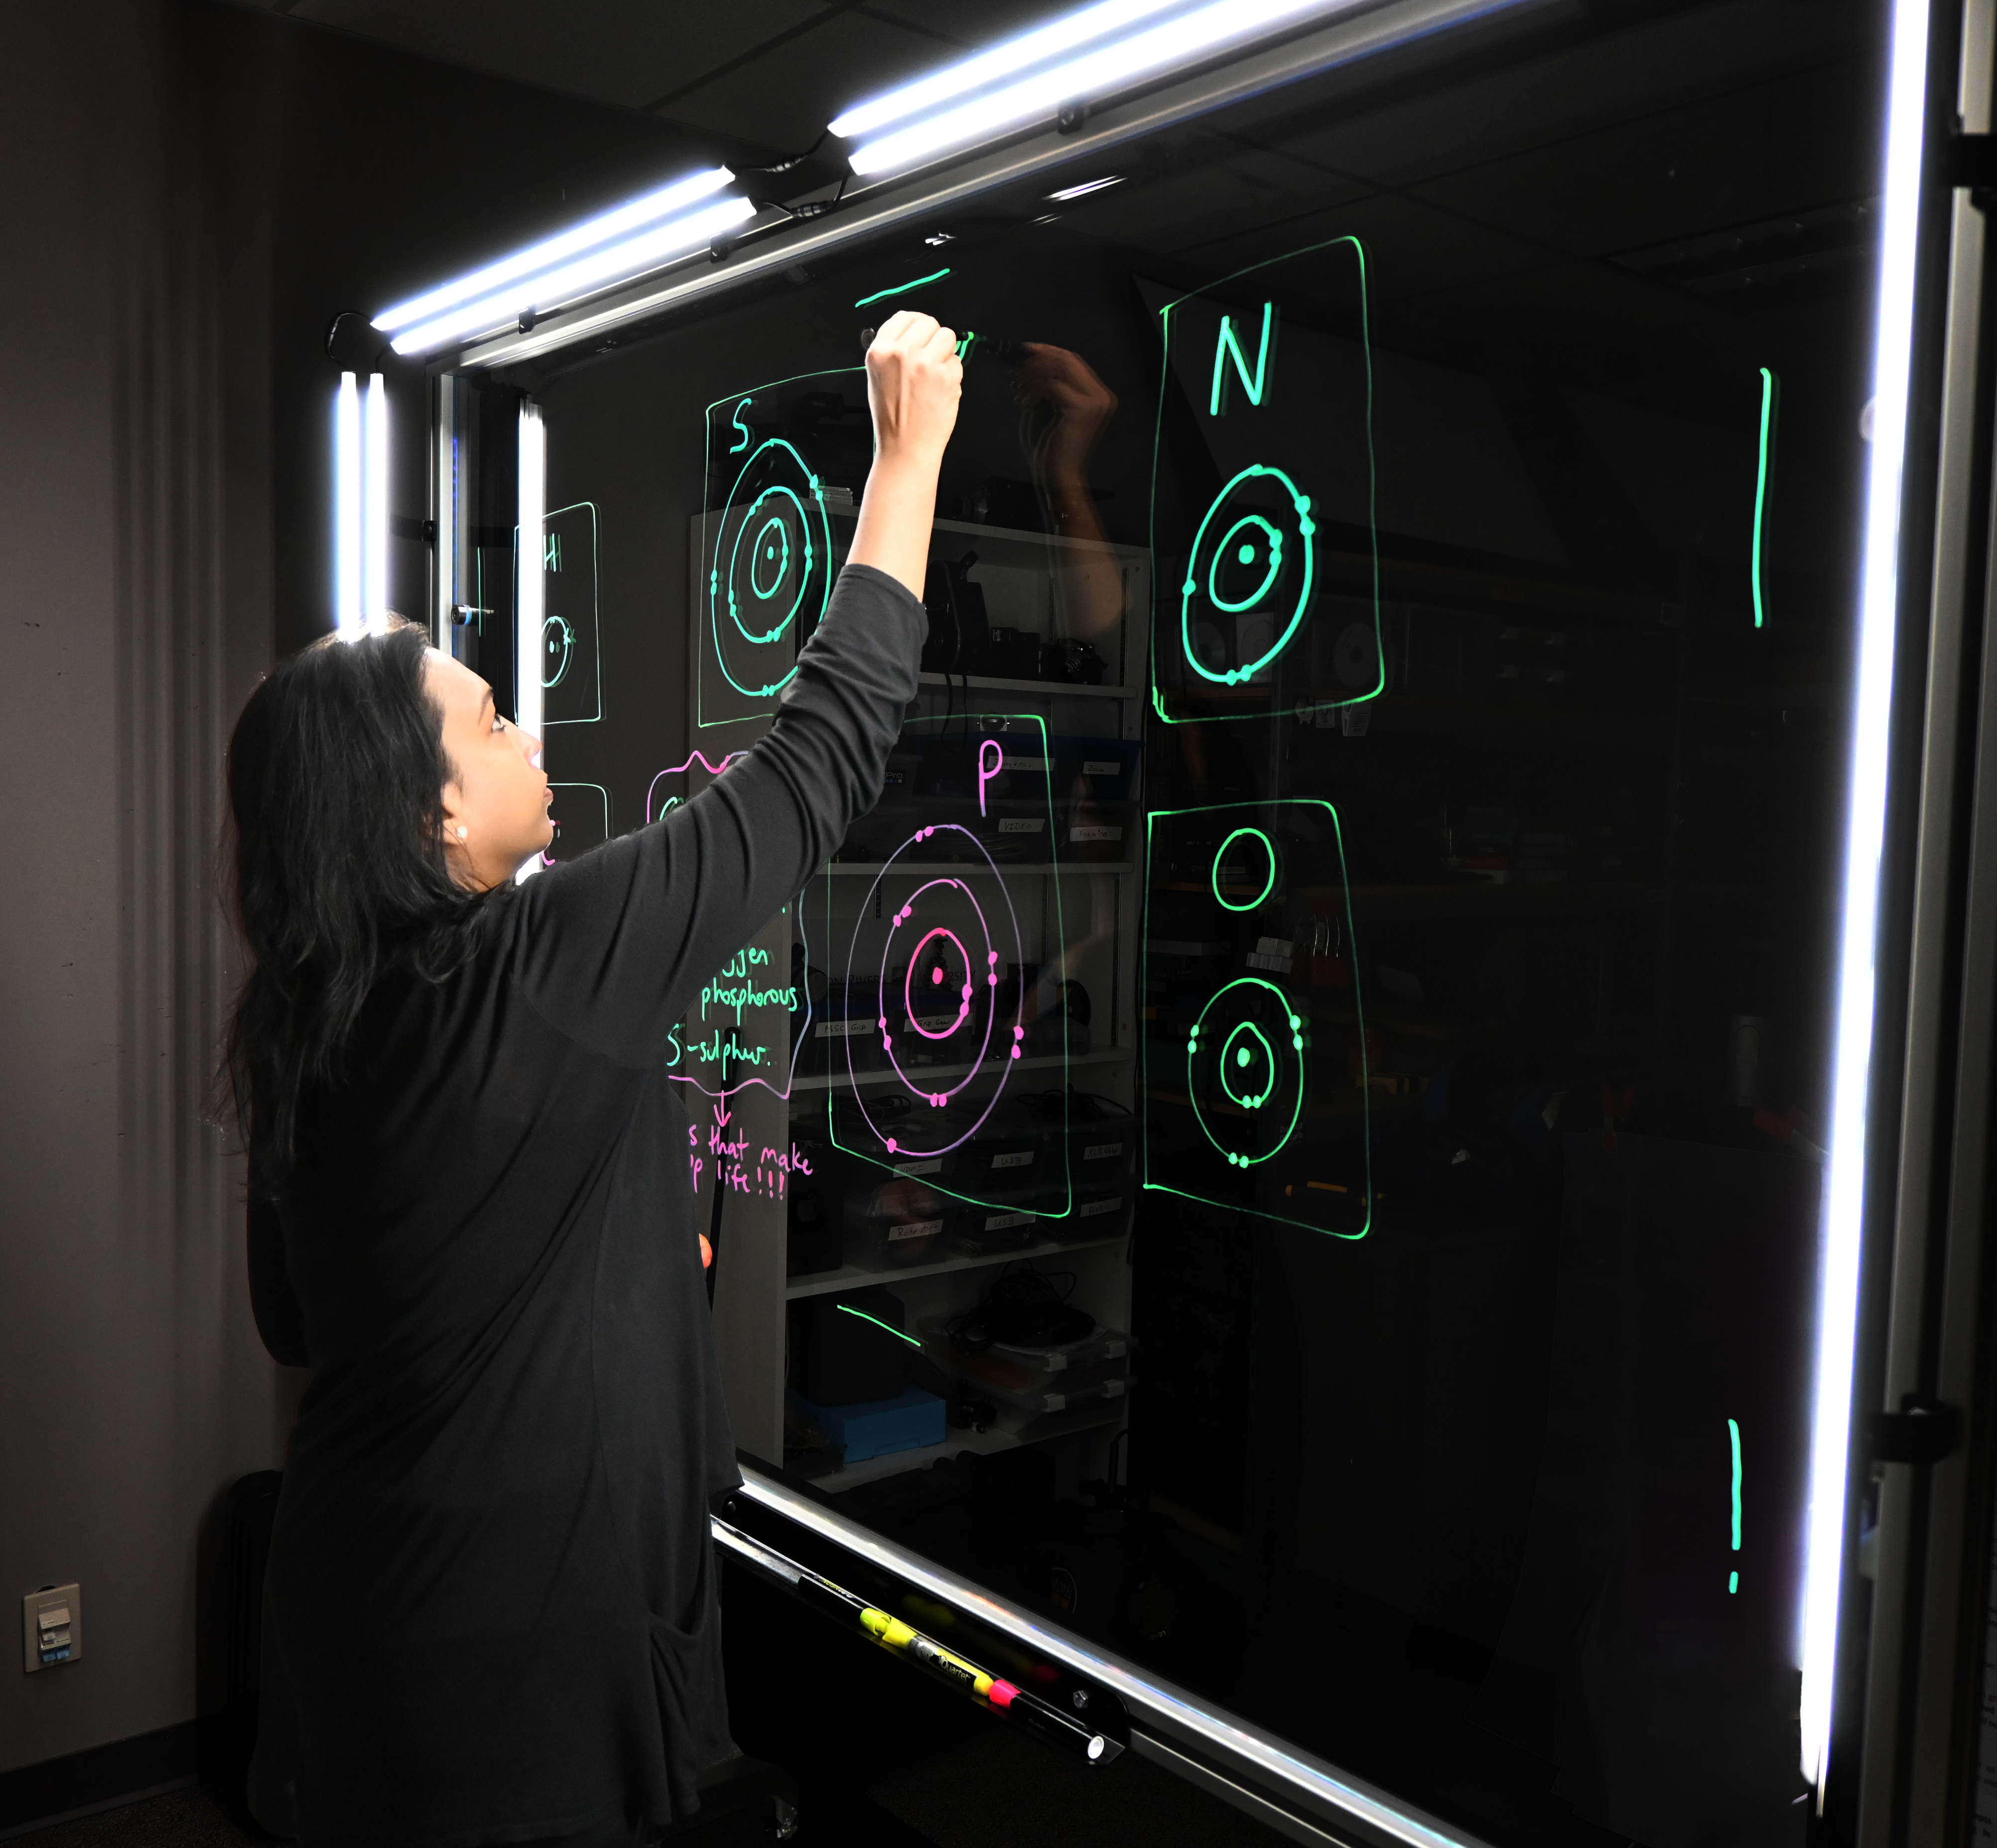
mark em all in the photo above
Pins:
pixel 623 52
pixel 973 24
pixel 785 98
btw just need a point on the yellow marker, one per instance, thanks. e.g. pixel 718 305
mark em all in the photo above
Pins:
pixel 892 1632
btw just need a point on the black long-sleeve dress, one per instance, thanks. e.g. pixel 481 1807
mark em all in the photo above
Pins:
pixel 491 1613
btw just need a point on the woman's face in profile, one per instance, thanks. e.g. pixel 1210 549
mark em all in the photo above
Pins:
pixel 495 808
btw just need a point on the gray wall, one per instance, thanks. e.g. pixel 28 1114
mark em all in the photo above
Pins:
pixel 190 192
pixel 132 1385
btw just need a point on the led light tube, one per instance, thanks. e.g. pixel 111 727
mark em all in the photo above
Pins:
pixel 348 619
pixel 552 288
pixel 1837 1302
pixel 1110 67
pixel 552 250
pixel 1003 60
pixel 374 506
pixel 1085 189
pixel 528 612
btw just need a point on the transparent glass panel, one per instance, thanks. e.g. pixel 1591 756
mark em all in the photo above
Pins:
pixel 1377 774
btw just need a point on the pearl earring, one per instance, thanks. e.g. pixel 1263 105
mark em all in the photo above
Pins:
pixel 460 834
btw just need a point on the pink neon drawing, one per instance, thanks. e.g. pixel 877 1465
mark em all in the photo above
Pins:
pixel 680 770
pixel 998 764
pixel 937 1100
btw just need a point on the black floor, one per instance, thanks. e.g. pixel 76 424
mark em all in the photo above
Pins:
pixel 883 1758
pixel 992 1792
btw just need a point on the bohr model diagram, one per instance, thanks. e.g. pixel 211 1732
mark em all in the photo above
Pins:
pixel 1245 1070
pixel 1252 558
pixel 1245 1052
pixel 557 650
pixel 943 946
pixel 770 576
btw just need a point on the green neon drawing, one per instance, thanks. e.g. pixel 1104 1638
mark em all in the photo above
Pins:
pixel 1241 1058
pixel 1268 884
pixel 712 703
pixel 603 795
pixel 1300 502
pixel 1252 1085
pixel 561 637
pixel 1227 347
pixel 846 1308
pixel 815 554
pixel 1272 543
pixel 1257 386
pixel 902 288
pixel 964 345
pixel 1733 1436
pixel 1771 391
pixel 557 650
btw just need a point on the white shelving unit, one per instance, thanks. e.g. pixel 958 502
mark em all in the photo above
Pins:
pixel 1032 581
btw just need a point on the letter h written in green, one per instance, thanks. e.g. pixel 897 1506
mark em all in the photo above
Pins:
pixel 1228 347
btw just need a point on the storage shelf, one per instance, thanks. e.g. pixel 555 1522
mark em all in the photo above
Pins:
pixel 977 868
pixel 1046 1062
pixel 983 1444
pixel 825 1283
pixel 1067 689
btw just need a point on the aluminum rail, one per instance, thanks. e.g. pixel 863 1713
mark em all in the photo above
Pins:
pixel 1303 1796
pixel 1367 27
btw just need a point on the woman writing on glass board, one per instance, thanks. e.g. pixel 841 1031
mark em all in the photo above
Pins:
pixel 490 1612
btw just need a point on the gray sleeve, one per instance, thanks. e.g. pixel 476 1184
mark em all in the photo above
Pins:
pixel 612 947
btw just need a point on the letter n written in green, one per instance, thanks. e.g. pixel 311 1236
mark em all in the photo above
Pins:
pixel 1228 347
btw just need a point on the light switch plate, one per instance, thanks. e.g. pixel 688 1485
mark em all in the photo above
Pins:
pixel 53 1598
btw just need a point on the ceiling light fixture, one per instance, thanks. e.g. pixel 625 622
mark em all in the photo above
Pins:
pixel 602 229
pixel 1086 188
pixel 1003 60
pixel 555 288
pixel 1095 73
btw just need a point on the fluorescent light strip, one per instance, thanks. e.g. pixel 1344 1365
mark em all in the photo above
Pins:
pixel 551 251
pixel 529 613
pixel 375 505
pixel 1837 1307
pixel 1086 188
pixel 553 289
pixel 1183 40
pixel 1004 60
pixel 348 618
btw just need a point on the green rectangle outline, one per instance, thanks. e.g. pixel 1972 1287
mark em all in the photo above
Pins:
pixel 1150 1186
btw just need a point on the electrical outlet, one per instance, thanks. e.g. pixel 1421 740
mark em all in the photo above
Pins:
pixel 51 1627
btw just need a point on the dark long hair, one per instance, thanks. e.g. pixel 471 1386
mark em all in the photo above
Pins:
pixel 333 864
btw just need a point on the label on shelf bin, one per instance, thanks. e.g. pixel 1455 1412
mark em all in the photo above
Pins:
pixel 1095 1208
pixel 1094 766
pixel 1099 834
pixel 1022 824
pixel 933 1166
pixel 842 1030
pixel 1019 1158
pixel 915 1228
pixel 1101 1151
pixel 1003 1221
